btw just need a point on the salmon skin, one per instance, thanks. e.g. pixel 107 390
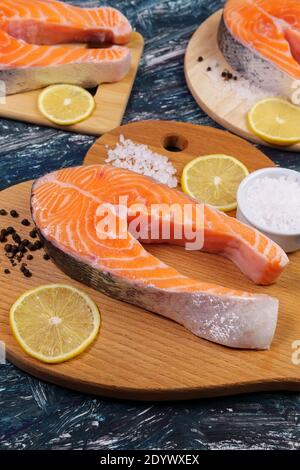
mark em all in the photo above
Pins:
pixel 261 40
pixel 53 22
pixel 30 57
pixel 65 208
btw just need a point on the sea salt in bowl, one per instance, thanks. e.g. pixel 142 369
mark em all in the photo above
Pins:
pixel 269 200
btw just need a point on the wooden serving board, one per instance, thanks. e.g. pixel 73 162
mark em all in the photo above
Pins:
pixel 111 101
pixel 224 106
pixel 131 358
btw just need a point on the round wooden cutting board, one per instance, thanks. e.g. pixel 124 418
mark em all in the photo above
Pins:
pixel 131 358
pixel 227 108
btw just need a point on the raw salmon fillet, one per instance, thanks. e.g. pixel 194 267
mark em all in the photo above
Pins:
pixel 29 60
pixel 65 207
pixel 25 67
pixel 53 22
pixel 261 40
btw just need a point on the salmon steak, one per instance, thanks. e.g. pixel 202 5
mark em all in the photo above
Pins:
pixel 33 53
pixel 261 40
pixel 67 210
pixel 54 22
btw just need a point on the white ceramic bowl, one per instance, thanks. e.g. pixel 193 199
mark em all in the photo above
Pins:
pixel 288 241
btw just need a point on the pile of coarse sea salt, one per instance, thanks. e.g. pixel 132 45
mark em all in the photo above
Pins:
pixel 242 88
pixel 274 203
pixel 140 158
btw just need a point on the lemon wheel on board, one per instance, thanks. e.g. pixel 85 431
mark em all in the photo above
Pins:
pixel 66 105
pixel 275 121
pixel 55 322
pixel 214 180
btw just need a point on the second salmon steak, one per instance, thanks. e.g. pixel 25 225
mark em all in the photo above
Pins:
pixel 33 50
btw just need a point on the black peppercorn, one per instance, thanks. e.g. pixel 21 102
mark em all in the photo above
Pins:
pixel 33 233
pixel 25 222
pixel 14 213
pixel 16 238
pixel 8 248
pixel 38 244
pixel 14 249
pixel 23 267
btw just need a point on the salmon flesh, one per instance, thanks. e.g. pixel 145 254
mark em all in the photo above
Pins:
pixel 66 210
pixel 33 53
pixel 261 40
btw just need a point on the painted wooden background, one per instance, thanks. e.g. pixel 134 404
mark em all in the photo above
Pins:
pixel 35 415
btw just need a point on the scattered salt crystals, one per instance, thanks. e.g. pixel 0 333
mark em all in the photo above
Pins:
pixel 141 159
pixel 241 87
pixel 274 203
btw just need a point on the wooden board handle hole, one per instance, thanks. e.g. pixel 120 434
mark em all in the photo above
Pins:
pixel 174 143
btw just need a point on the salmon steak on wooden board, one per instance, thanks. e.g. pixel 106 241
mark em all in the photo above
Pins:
pixel 261 40
pixel 30 57
pixel 66 208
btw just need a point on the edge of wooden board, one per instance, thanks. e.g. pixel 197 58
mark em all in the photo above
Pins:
pixel 291 384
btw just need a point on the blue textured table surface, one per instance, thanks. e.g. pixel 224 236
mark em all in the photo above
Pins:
pixel 36 415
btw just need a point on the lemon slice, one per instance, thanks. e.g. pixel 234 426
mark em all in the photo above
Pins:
pixel 66 104
pixel 214 180
pixel 276 121
pixel 55 322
